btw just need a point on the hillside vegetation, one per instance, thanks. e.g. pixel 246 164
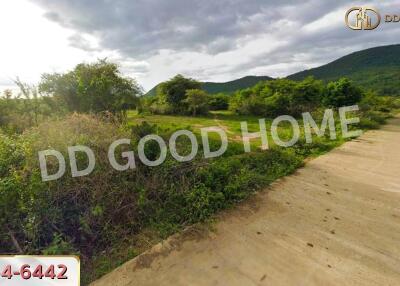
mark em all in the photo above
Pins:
pixel 224 87
pixel 377 69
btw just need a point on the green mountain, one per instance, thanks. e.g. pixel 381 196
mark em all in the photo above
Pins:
pixel 225 87
pixel 376 68
pixel 234 85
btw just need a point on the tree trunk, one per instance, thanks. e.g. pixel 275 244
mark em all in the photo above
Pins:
pixel 15 241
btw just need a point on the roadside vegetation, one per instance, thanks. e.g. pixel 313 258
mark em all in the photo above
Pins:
pixel 109 216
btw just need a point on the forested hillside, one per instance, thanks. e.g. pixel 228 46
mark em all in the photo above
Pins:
pixel 225 87
pixel 377 69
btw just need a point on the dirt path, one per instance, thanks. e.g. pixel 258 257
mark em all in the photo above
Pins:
pixel 334 222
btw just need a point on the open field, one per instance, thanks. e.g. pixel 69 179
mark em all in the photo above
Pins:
pixel 230 123
pixel 224 119
pixel 329 223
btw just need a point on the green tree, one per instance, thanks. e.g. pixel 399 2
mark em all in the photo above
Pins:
pixel 342 93
pixel 197 101
pixel 63 87
pixel 278 104
pixel 173 92
pixel 307 95
pixel 95 87
pixel 218 101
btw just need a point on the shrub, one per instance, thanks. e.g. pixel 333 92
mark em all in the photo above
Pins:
pixel 342 93
pixel 87 214
pixel 197 101
pixel 173 93
pixel 278 97
pixel 367 123
pixel 218 101
pixel 27 109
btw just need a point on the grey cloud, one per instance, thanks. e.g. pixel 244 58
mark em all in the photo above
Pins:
pixel 321 47
pixel 136 67
pixel 78 41
pixel 141 29
pixel 53 16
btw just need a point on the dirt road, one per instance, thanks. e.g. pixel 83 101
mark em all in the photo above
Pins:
pixel 334 222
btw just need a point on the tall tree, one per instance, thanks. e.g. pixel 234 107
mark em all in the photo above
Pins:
pixel 173 92
pixel 95 87
pixel 197 101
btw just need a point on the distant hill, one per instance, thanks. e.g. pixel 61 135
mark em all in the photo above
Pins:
pixel 234 85
pixel 225 87
pixel 376 68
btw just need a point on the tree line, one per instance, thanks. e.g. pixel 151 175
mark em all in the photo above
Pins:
pixel 185 96
pixel 100 87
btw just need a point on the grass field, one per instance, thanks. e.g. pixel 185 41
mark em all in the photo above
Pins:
pixel 229 122
pixel 224 119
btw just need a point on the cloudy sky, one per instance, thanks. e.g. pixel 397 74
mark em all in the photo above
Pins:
pixel 152 40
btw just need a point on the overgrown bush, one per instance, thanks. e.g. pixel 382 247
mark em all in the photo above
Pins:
pixel 218 101
pixel 87 215
pixel 25 109
pixel 277 97
pixel 342 93
pixel 283 96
